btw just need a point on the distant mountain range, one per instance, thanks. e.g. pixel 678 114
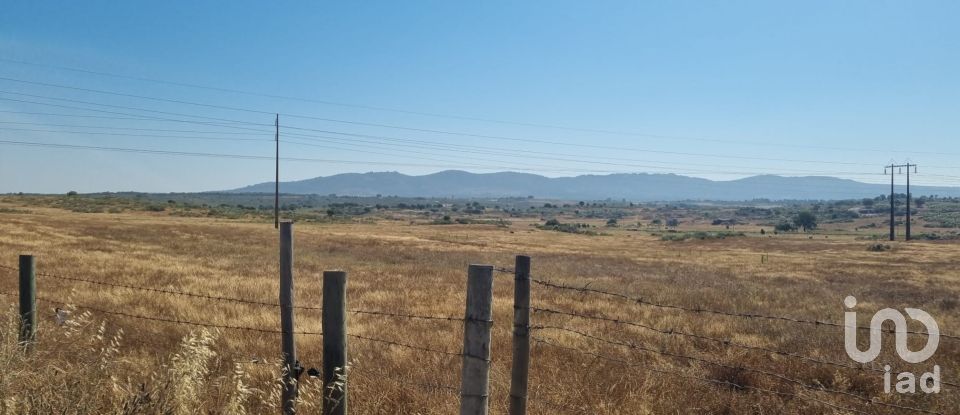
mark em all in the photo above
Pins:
pixel 635 187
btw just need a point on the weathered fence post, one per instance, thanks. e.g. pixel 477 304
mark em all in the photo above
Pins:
pixel 521 336
pixel 287 344
pixel 475 377
pixel 28 299
pixel 335 343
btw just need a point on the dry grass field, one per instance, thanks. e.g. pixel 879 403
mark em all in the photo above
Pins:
pixel 106 363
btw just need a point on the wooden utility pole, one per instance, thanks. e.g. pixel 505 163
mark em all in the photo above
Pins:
pixel 28 299
pixel 334 343
pixel 521 336
pixel 276 190
pixel 287 344
pixel 475 376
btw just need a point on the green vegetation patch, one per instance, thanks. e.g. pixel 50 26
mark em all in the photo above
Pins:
pixel 578 228
pixel 701 235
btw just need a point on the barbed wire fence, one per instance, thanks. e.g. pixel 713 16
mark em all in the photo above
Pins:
pixel 540 334
pixel 808 387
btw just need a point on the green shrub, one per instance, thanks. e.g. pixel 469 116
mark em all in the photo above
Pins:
pixel 683 236
pixel 878 247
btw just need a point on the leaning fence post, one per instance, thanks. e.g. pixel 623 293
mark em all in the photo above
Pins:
pixel 287 345
pixel 28 299
pixel 521 336
pixel 334 319
pixel 475 377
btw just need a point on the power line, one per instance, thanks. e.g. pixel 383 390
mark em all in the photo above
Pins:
pixel 294 159
pixel 434 146
pixel 310 160
pixel 231 122
pixel 528 124
pixel 76 101
pixel 390 126
pixel 101 133
pixel 111 127
pixel 214 155
pixel 437 146
pixel 152 118
pixel 50 114
pixel 527 155
pixel 253 157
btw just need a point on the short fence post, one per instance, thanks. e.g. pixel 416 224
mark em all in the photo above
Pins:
pixel 334 343
pixel 475 377
pixel 287 344
pixel 521 336
pixel 28 299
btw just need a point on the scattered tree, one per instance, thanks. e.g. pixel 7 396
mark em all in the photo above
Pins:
pixel 805 220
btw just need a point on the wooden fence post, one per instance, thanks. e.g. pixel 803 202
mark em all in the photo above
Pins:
pixel 475 377
pixel 287 344
pixel 335 343
pixel 28 299
pixel 521 336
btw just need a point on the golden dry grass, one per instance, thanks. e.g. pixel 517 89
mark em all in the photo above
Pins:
pixel 393 266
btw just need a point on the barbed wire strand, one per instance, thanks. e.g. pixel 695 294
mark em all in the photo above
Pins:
pixel 408 346
pixel 539 340
pixel 174 320
pixel 156 290
pixel 234 299
pixel 727 366
pixel 404 382
pixel 238 358
pixel 725 342
pixel 699 310
pixel 403 315
pixel 232 357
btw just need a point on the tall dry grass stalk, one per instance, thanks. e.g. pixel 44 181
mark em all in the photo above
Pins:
pixel 78 368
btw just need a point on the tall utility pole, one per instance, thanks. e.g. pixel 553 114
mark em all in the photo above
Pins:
pixel 908 196
pixel 893 224
pixel 276 191
pixel 893 196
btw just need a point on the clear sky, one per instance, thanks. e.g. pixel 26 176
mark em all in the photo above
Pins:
pixel 716 89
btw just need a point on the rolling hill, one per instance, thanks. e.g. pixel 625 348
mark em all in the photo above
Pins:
pixel 637 187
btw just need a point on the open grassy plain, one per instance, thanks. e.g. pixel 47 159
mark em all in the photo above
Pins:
pixel 400 265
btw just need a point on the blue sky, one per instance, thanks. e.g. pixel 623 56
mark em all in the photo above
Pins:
pixel 710 89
